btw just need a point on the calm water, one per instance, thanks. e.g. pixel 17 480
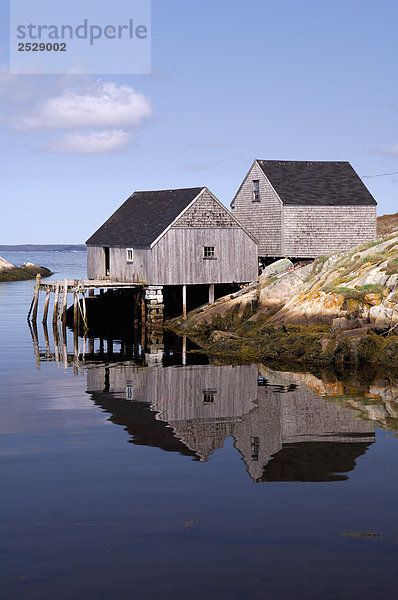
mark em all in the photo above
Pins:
pixel 148 478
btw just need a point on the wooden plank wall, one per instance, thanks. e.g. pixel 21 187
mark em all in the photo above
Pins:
pixel 120 269
pixel 178 257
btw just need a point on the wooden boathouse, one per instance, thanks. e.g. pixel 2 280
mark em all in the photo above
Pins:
pixel 304 209
pixel 173 240
pixel 181 246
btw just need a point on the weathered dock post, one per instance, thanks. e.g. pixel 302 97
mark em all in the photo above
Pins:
pixel 64 302
pixel 46 304
pixel 184 300
pixel 211 293
pixel 35 301
pixel 75 305
pixel 56 301
pixel 85 327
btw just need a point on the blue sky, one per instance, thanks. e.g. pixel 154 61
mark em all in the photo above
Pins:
pixel 231 82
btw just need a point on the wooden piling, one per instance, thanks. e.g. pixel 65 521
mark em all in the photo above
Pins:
pixel 75 306
pixel 56 301
pixel 46 304
pixel 64 302
pixel 211 293
pixel 184 300
pixel 36 298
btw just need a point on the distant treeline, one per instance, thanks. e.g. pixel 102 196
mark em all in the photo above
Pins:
pixel 43 248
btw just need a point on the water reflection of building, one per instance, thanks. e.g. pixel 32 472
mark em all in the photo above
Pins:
pixel 283 431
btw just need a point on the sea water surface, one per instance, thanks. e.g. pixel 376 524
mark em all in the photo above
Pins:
pixel 162 475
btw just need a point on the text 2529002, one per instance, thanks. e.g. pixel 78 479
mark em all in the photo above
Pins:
pixel 41 47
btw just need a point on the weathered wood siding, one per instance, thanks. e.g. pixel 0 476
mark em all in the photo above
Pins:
pixel 95 262
pixel 206 212
pixel 178 257
pixel 262 219
pixel 311 231
pixel 120 269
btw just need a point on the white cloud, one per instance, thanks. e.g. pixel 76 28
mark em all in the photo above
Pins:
pixel 95 117
pixel 104 105
pixel 107 141
pixel 386 150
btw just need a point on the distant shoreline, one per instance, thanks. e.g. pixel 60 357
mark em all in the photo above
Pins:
pixel 43 248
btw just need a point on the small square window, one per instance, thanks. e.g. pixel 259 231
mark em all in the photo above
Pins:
pixel 130 254
pixel 209 252
pixel 256 190
pixel 209 396
pixel 255 446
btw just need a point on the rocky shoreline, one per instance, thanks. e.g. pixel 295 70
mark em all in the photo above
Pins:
pixel 10 272
pixel 340 309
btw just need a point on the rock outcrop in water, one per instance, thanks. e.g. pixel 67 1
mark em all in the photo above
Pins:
pixel 10 272
pixel 341 308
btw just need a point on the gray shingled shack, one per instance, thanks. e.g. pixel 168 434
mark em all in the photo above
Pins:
pixel 305 209
pixel 172 237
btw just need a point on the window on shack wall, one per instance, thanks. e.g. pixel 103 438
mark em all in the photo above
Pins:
pixel 209 252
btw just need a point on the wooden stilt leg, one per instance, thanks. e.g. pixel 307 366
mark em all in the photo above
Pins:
pixel 64 302
pixel 75 306
pixel 36 299
pixel 46 304
pixel 184 300
pixel 56 300
pixel 211 293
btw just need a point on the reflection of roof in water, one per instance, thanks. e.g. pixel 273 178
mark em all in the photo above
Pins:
pixel 314 461
pixel 140 423
pixel 193 409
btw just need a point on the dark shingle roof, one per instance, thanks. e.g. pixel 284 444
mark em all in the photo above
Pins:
pixel 143 217
pixel 316 183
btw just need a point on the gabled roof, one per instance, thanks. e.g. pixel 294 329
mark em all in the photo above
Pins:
pixel 316 183
pixel 143 217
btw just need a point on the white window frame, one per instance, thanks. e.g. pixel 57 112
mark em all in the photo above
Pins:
pixel 209 252
pixel 128 251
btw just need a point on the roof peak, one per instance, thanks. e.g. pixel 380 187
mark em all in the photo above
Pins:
pixel 303 162
pixel 163 191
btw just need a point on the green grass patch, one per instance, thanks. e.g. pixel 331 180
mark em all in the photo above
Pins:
pixel 357 293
